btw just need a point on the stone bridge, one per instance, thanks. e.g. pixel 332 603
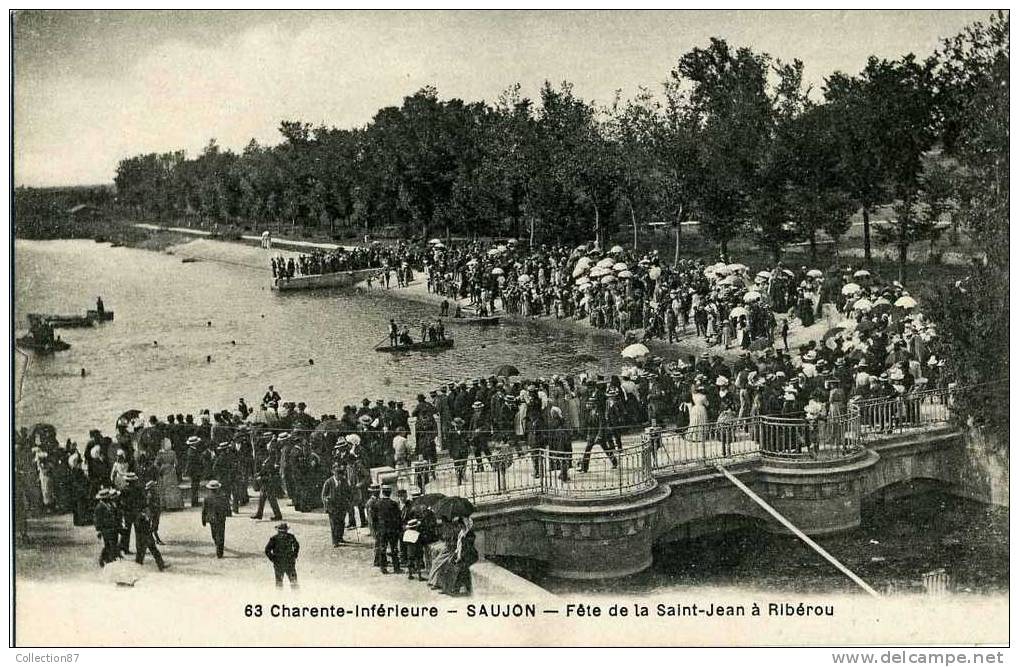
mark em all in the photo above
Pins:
pixel 815 475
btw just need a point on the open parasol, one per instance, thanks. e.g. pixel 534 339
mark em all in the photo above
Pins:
pixel 635 351
pixel 453 507
pixel 506 370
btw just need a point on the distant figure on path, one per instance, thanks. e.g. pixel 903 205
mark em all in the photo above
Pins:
pixel 282 549
pixel 215 510
pixel 267 240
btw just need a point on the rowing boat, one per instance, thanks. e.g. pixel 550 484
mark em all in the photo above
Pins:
pixel 30 343
pixel 444 344
pixel 323 280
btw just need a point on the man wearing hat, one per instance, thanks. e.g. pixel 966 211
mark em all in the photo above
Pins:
pixel 386 520
pixel 145 539
pixel 268 479
pixel 215 510
pixel 336 496
pixel 425 429
pixel 282 550
pixel 132 502
pixel 369 508
pixel 153 507
pixel 480 430
pixel 225 469
pixel 107 520
pixel 456 444
pixel 194 465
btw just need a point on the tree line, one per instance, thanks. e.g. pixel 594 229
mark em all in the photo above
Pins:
pixel 732 138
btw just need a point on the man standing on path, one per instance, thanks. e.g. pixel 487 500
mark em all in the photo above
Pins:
pixel 387 530
pixel 107 521
pixel 282 550
pixel 215 510
pixel 194 463
pixel 145 540
pixel 132 502
pixel 268 477
pixel 336 497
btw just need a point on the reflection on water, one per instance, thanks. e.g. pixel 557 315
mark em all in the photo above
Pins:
pixel 153 355
pixel 896 543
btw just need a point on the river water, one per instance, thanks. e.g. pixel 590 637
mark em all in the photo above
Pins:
pixel 153 357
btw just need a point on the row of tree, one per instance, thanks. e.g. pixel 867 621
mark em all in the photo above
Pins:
pixel 733 139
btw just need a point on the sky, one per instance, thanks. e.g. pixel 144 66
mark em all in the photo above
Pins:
pixel 91 88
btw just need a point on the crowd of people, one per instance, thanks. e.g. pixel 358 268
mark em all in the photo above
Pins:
pixel 396 260
pixel 722 303
pixel 881 347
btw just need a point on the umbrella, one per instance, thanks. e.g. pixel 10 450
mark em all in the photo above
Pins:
pixel 438 246
pixel 435 241
pixel 453 507
pixel 505 371
pixel 654 272
pixel 635 351
pixel 788 272
pixel 751 296
pixel 731 280
pixel 523 279
pixel 719 267
pixel 598 272
pixel 831 333
pixel 763 274
pixel 497 271
pixel 735 268
pixel 606 263
pixel 616 249
pixel 608 279
pixel 738 311
pixel 583 280
pixel 585 286
pixel 862 273
pixel 863 304
pixel 625 274
pixel 905 302
pixel 129 416
pixel 620 266
pixel 579 270
pixel 850 288
pixel 494 251
pixel 428 500
pixel 815 273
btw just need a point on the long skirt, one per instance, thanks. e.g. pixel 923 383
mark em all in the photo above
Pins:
pixel 442 560
pixel 170 497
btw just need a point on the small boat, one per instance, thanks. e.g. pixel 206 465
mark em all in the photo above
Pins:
pixel 63 321
pixel 189 260
pixel 105 316
pixel 480 321
pixel 444 344
pixel 323 280
pixel 42 347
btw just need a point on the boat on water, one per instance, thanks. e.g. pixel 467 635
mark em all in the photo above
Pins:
pixel 323 280
pixel 479 321
pixel 444 344
pixel 29 342
pixel 90 318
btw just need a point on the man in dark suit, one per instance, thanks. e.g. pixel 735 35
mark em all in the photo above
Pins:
pixel 145 540
pixel 457 445
pixel 269 482
pixel 215 510
pixel 386 520
pixel 194 465
pixel 336 497
pixel 224 469
pixel 107 521
pixel 132 502
pixel 282 549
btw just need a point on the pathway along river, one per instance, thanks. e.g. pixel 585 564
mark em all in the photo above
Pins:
pixel 258 337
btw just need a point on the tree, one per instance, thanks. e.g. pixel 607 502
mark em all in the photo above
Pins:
pixel 884 121
pixel 724 92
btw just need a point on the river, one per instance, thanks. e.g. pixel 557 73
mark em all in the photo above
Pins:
pixel 152 357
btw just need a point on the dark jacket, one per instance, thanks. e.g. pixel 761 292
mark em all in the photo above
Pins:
pixel 386 517
pixel 215 508
pixel 336 496
pixel 282 549
pixel 106 517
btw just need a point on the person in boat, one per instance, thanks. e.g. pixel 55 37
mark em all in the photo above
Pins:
pixel 458 314
pixel 440 331
pixel 444 308
pixel 405 338
pixel 394 332
pixel 100 308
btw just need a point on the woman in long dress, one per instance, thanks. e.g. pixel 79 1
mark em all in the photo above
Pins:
pixel 443 556
pixel 81 501
pixel 456 577
pixel 698 415
pixel 169 492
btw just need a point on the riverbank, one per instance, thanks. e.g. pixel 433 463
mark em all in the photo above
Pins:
pixel 688 343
